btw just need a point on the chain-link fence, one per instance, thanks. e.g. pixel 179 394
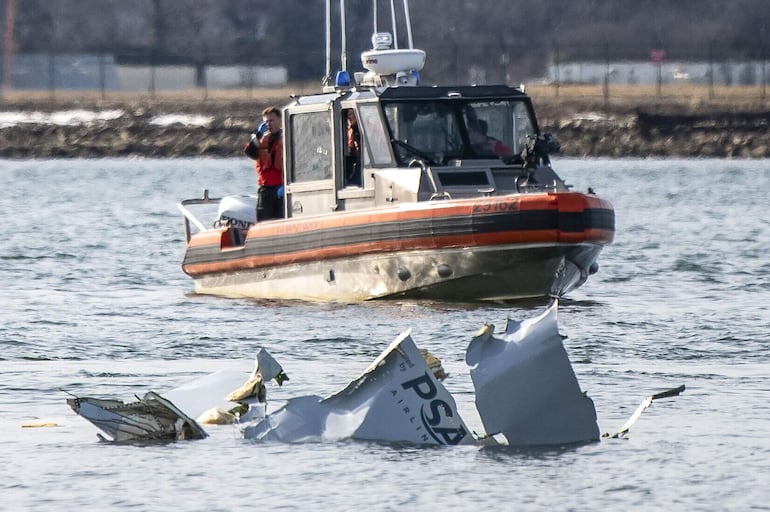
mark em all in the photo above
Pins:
pixel 597 71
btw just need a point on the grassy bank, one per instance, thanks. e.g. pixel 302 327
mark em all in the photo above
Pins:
pixel 622 98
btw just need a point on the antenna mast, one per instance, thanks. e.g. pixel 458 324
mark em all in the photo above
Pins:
pixel 408 23
pixel 393 23
pixel 374 11
pixel 344 56
pixel 328 42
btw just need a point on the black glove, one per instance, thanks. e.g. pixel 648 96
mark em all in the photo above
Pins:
pixel 252 147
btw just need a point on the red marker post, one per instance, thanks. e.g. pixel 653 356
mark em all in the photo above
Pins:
pixel 657 56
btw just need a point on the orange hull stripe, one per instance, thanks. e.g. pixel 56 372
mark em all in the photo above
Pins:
pixel 443 242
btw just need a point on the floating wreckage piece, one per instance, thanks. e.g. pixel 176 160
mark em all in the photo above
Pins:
pixel 39 424
pixel 224 397
pixel 434 363
pixel 151 418
pixel 265 368
pixel 525 386
pixel 669 393
pixel 237 405
pixel 398 398
pixel 157 417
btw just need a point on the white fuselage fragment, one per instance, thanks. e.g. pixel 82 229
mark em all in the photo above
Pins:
pixel 525 386
pixel 397 398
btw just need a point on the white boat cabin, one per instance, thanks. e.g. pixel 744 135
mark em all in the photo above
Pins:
pixel 415 144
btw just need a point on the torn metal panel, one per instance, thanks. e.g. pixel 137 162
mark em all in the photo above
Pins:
pixel 301 419
pixel 207 392
pixel 397 399
pixel 265 368
pixel 210 398
pixel 222 397
pixel 151 418
pixel 525 386
pixel 642 407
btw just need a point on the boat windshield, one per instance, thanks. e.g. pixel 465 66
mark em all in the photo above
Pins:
pixel 439 131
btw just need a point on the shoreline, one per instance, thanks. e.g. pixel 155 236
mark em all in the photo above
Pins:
pixel 584 129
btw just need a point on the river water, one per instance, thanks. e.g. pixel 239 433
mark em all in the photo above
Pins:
pixel 94 303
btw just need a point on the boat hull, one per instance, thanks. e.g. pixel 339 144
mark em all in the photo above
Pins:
pixel 499 248
pixel 500 273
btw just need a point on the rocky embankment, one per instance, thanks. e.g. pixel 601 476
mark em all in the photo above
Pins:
pixel 149 129
pixel 120 129
pixel 650 130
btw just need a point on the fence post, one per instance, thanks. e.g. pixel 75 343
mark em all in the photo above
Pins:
pixel 557 74
pixel 606 88
pixel 711 70
pixel 764 63
pixel 8 50
pixel 102 74
pixel 764 74
pixel 153 58
pixel 52 40
pixel 250 82
pixel 204 73
pixel 51 74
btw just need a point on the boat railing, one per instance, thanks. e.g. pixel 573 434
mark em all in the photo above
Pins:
pixel 440 196
pixel 190 218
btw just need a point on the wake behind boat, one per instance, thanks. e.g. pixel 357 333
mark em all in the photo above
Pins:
pixel 451 197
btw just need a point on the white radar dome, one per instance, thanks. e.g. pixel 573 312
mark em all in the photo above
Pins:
pixel 392 61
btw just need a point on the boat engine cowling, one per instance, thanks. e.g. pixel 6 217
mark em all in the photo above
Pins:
pixel 237 211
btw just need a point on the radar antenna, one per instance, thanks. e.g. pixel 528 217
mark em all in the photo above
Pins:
pixel 386 64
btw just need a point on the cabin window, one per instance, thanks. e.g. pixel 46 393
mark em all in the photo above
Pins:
pixel 377 140
pixel 311 147
pixel 424 130
pixel 522 126
pixel 505 126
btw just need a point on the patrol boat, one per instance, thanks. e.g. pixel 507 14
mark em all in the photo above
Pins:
pixel 450 196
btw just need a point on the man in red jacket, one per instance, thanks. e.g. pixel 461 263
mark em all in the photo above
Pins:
pixel 267 150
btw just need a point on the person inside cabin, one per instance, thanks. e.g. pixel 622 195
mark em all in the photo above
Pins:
pixel 353 149
pixel 482 143
pixel 266 149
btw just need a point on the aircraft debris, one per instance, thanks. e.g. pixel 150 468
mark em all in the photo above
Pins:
pixel 526 394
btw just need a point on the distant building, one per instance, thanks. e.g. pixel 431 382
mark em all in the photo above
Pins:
pixel 101 72
pixel 671 72
pixel 78 71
